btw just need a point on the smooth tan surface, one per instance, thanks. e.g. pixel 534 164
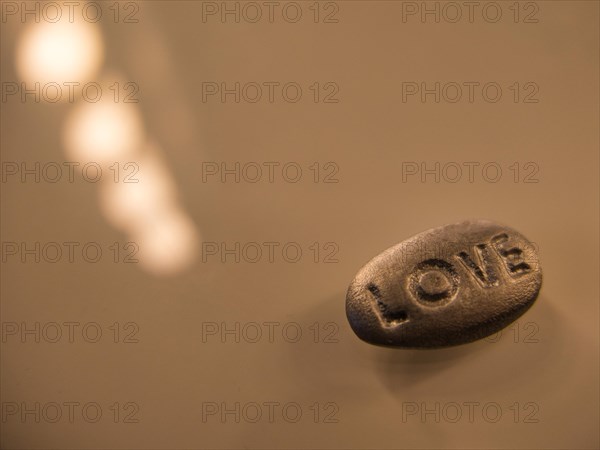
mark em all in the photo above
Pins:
pixel 541 374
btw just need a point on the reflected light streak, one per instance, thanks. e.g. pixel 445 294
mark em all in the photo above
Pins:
pixel 108 132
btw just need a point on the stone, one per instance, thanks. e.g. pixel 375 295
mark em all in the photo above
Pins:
pixel 446 286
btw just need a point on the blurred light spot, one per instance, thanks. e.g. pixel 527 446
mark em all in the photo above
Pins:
pixel 168 244
pixel 103 132
pixel 59 52
pixel 142 191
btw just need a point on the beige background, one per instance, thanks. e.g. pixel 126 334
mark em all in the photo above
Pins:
pixel 369 133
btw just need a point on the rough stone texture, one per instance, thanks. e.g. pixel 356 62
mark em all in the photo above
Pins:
pixel 446 286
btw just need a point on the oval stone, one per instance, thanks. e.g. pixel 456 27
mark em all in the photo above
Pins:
pixel 446 286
